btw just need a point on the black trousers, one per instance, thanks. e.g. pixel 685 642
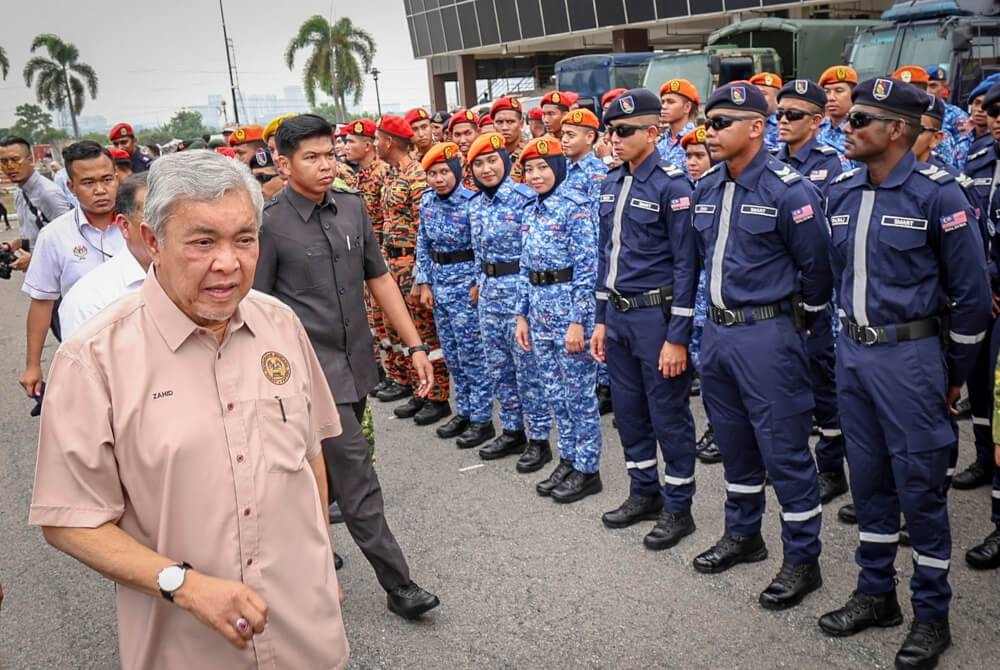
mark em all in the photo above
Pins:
pixel 352 482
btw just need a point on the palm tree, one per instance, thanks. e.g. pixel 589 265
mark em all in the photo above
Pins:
pixel 332 66
pixel 4 64
pixel 60 79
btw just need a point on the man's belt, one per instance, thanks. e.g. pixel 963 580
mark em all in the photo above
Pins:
pixel 501 269
pixel 399 252
pixel 748 314
pixel 654 298
pixel 900 332
pixel 547 277
pixel 452 257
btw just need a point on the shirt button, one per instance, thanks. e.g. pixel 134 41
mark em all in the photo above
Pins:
pixel 341 291
pixel 246 512
pixel 249 562
pixel 239 459
pixel 229 406
pixel 326 226
pixel 220 355
pixel 336 258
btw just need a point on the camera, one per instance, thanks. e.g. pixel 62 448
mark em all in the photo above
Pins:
pixel 6 258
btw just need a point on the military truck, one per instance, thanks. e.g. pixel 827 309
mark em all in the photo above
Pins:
pixel 710 67
pixel 593 75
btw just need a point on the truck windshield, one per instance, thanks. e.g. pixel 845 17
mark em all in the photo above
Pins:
pixel 693 67
pixel 735 68
pixel 922 45
pixel 628 76
pixel 873 52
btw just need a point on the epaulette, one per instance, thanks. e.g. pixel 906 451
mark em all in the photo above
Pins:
pixel 825 149
pixel 964 180
pixel 672 171
pixel 466 193
pixel 936 174
pixel 774 151
pixel 714 168
pixel 270 203
pixel 526 191
pixel 574 196
pixel 783 172
pixel 981 152
pixel 844 176
pixel 340 186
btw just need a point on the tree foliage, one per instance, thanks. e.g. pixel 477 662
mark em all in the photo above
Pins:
pixel 60 80
pixel 332 65
pixel 35 125
pixel 4 64
pixel 185 124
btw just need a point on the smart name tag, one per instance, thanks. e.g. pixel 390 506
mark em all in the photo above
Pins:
pixel 704 209
pixel 759 210
pixel 904 222
pixel 645 204
pixel 840 220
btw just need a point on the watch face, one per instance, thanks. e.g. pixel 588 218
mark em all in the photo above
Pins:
pixel 170 578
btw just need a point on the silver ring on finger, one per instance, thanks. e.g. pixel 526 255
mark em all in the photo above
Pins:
pixel 242 625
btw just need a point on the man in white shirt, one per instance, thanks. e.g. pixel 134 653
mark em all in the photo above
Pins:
pixel 61 179
pixel 121 275
pixel 69 247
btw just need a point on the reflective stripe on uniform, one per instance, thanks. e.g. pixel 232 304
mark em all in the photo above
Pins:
pixel 879 538
pixel 814 308
pixel 641 465
pixel 744 488
pixel 950 472
pixel 616 233
pixel 601 295
pixel 958 338
pixel 802 516
pixel 830 432
pixel 682 311
pixel 719 253
pixel 996 494
pixel 679 481
pixel 980 421
pixel 859 292
pixel 931 562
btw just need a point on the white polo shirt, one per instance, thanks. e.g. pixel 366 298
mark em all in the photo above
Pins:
pixel 98 289
pixel 67 249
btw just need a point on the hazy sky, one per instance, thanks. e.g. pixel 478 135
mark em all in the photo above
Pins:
pixel 153 58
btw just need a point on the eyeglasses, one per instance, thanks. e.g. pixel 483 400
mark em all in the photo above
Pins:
pixel 721 122
pixel 792 114
pixel 993 111
pixel 863 119
pixel 625 130
pixel 12 162
pixel 264 178
pixel 928 129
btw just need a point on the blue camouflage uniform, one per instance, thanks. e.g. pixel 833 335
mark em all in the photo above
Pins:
pixel 955 120
pixel 647 254
pixel 496 222
pixel 446 262
pixel 670 149
pixel 905 253
pixel 559 236
pixel 771 140
pixel 831 135
pixel 764 242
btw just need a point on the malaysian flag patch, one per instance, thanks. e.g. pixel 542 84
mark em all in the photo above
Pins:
pixel 954 221
pixel 679 204
pixel 802 214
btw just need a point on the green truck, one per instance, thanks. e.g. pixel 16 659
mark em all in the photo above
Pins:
pixel 710 67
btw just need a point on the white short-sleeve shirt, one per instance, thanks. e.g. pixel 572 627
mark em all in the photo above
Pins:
pixel 98 289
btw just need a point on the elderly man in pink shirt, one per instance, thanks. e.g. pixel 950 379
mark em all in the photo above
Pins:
pixel 180 447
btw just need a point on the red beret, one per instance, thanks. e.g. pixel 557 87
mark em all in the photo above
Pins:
pixel 462 116
pixel 362 127
pixel 611 95
pixel 486 143
pixel 485 120
pixel 395 126
pixel 439 153
pixel 344 130
pixel 416 114
pixel 245 134
pixel 226 151
pixel 120 130
pixel 541 147
pixel 504 104
pixel 120 155
pixel 564 99
pixel 535 114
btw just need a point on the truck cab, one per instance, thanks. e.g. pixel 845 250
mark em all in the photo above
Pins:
pixel 710 67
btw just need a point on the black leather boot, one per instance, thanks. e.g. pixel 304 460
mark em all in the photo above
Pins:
pixel 831 485
pixel 863 610
pixel 791 585
pixel 562 471
pixel 432 412
pixel 476 434
pixel 577 486
pixel 985 556
pixel 847 514
pixel 409 409
pixel 509 442
pixel 670 528
pixel 731 550
pixel 923 646
pixel 634 510
pixel 535 456
pixel 455 427
pixel 393 391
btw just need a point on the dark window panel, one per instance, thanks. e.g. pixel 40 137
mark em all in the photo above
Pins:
pixel 436 32
pixel 408 5
pixel 610 13
pixel 510 31
pixel 413 37
pixel 418 5
pixel 531 18
pixel 698 7
pixel 554 13
pixel 741 4
pixel 423 35
pixel 640 10
pixel 452 35
pixel 581 14
pixel 469 25
pixel 488 30
pixel 429 5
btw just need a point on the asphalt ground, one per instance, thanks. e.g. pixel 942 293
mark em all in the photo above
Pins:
pixel 524 582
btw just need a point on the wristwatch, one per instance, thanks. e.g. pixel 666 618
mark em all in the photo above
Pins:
pixel 409 351
pixel 171 579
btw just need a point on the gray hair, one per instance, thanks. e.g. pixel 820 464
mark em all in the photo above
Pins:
pixel 198 175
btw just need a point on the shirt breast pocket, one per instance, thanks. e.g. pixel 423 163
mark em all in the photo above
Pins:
pixel 757 225
pixel 318 267
pixel 902 239
pixel 284 432
pixel 648 223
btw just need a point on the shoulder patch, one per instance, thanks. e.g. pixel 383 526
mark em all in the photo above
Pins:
pixel 935 174
pixel 825 149
pixel 672 170
pixel 714 168
pixel 783 172
pixel 844 176
pixel 978 154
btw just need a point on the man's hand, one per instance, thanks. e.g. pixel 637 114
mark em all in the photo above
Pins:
pixel 597 341
pixel 427 297
pixel 996 454
pixel 521 334
pixel 416 291
pixel 574 338
pixel 673 359
pixel 995 305
pixel 23 258
pixel 474 295
pixel 425 373
pixel 218 603
pixel 953 394
pixel 31 380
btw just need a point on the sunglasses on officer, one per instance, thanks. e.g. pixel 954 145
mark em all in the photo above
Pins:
pixel 792 114
pixel 864 119
pixel 624 130
pixel 721 121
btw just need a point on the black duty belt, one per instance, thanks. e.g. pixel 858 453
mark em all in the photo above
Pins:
pixel 748 314
pixel 501 269
pixel 452 257
pixel 547 277
pixel 624 303
pixel 399 252
pixel 900 332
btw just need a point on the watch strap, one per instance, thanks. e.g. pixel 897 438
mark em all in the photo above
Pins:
pixel 419 347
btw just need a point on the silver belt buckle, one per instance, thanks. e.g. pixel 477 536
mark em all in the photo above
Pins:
pixel 728 317
pixel 869 336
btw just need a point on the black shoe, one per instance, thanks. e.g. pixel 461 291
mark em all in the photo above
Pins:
pixel 731 550
pixel 904 537
pixel 432 412
pixel 831 485
pixel 604 404
pixel 336 516
pixel 791 585
pixel 410 408
pixel 985 556
pixel 509 442
pixel 456 426
pixel 634 510
pixel 862 611
pixel 706 449
pixel 562 471
pixel 378 388
pixel 577 486
pixel 973 477
pixel 393 391
pixel 535 456
pixel 338 562
pixel 923 646
pixel 847 514
pixel 670 528
pixel 476 434
pixel 410 601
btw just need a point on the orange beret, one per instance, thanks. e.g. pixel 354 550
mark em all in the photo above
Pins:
pixel 440 153
pixel 463 116
pixel 838 74
pixel 535 114
pixel 485 120
pixel 245 134
pixel 486 143
pixel 681 87
pixel 120 130
pixel 912 74
pixel 541 147
pixel 396 126
pixel 581 117
pixel 504 104
pixel 564 99
pixel 362 127
pixel 696 136
pixel 766 79
pixel 416 114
